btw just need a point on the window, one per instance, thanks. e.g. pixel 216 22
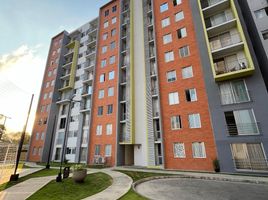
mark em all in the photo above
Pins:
pixel 169 56
pixel 106 24
pixel 111 75
pixel 102 78
pixel 97 149
pixel 109 129
pixel 112 45
pixel 265 35
pixel 45 96
pixel 167 38
pixel 42 136
pixel 179 16
pixel 54 71
pixel 40 149
pixel 241 122
pixel 113 20
pixel 49 73
pixel 64 110
pixel 70 150
pixel 99 130
pixel 198 149
pixel 184 51
pixel 261 13
pixel 164 7
pixel 103 63
pixel 114 9
pixel 176 122
pixel 112 60
pixel 233 92
pixel 50 95
pixel 47 84
pixel 171 76
pixel 101 94
pixel 173 98
pixel 179 150
pixel 48 108
pixel 250 156
pixel 110 91
pixel 110 109
pixel 165 22
pixel 106 13
pixel 181 33
pixel 194 121
pixel 104 49
pixel 37 136
pixel 113 32
pixel 42 109
pixel 191 95
pixel 105 36
pixel 34 151
pixel 58 154
pixel 62 123
pixel 52 83
pixel 100 110
pixel 176 2
pixel 108 150
pixel 187 72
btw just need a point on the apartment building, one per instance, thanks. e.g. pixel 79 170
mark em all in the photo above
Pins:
pixel 169 84
pixel 255 14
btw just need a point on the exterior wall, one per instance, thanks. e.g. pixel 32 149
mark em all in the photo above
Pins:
pixel 48 104
pixel 105 119
pixel 185 134
pixel 256 27
pixel 255 85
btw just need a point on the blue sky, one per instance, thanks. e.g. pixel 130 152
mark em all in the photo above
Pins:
pixel 26 29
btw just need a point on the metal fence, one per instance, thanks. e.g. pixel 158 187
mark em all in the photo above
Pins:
pixel 8 153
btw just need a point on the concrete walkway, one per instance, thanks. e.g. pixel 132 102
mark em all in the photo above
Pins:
pixel 121 184
pixel 25 189
pixel 208 176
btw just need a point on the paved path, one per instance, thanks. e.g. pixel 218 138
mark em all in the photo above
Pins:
pixel 208 176
pixel 25 189
pixel 121 184
pixel 198 189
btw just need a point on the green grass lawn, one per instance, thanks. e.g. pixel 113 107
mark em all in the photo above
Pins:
pixel 69 190
pixel 44 172
pixel 131 194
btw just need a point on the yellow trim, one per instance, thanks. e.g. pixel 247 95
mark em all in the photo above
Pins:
pixel 72 45
pixel 230 75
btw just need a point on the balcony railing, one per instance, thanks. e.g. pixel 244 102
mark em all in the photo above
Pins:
pixel 233 98
pixel 221 42
pixel 243 129
pixel 251 164
pixel 124 137
pixel 154 91
pixel 208 3
pixel 223 67
pixel 225 18
pixel 123 116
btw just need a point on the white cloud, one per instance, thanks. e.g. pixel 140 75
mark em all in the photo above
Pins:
pixel 21 74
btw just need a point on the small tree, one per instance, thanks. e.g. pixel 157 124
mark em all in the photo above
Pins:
pixel 2 130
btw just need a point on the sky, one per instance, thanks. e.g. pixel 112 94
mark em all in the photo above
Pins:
pixel 27 27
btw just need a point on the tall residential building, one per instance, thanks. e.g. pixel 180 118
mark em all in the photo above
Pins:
pixel 255 14
pixel 171 84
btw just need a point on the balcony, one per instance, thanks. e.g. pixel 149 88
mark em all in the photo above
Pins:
pixel 225 68
pixel 235 129
pixel 90 52
pixel 220 23
pixel 91 41
pixel 85 109
pixel 88 78
pixel 226 44
pixel 123 117
pixel 209 7
pixel 89 66
pixel 69 53
pixel 124 138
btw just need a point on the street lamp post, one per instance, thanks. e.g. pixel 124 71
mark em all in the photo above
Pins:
pixel 51 141
pixel 15 176
pixel 59 177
